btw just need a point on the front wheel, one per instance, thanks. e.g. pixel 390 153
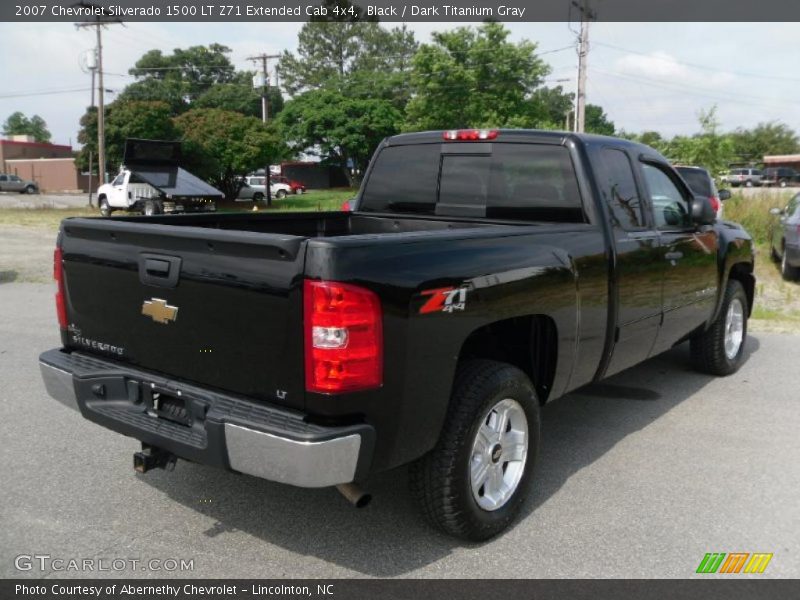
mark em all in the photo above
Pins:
pixel 474 482
pixel 258 197
pixel 280 194
pixel 30 189
pixel 720 349
pixel 105 209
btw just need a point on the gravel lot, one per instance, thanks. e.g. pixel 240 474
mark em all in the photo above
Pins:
pixel 13 200
pixel 638 477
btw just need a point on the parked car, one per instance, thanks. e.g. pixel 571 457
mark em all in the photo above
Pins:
pixel 784 238
pixel 702 184
pixel 12 183
pixel 254 189
pixel 484 273
pixel 780 176
pixel 296 186
pixel 747 177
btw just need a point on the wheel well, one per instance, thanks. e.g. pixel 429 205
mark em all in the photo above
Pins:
pixel 743 273
pixel 529 343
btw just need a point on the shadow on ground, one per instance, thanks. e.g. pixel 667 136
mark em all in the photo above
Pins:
pixel 389 537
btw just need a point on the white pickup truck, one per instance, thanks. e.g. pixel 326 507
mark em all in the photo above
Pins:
pixel 151 182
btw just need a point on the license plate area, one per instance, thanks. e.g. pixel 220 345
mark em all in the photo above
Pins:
pixel 173 407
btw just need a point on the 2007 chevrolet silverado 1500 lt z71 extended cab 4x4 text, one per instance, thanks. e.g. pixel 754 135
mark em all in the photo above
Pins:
pixel 482 274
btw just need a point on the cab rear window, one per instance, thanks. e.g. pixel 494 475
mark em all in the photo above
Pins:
pixel 497 181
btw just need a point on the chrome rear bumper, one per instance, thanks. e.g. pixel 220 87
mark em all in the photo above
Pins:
pixel 302 454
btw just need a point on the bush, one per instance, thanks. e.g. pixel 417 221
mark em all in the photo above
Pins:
pixel 752 212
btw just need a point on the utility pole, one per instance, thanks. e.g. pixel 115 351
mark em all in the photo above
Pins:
pixel 263 83
pixel 91 154
pixel 586 14
pixel 98 24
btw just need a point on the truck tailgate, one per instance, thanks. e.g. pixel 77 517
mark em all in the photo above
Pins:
pixel 215 307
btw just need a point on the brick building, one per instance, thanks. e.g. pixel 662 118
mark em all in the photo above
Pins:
pixel 51 166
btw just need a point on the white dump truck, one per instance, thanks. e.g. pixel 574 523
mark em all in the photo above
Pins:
pixel 151 182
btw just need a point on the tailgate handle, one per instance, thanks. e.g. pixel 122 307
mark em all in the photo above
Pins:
pixel 155 266
pixel 159 270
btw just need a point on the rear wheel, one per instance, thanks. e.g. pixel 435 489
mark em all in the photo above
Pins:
pixel 152 208
pixel 30 189
pixel 258 197
pixel 720 349
pixel 788 272
pixel 749 183
pixel 474 482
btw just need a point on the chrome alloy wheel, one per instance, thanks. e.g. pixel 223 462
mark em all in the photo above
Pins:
pixel 734 328
pixel 498 456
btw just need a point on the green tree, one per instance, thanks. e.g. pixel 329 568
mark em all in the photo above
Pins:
pixel 221 145
pixel 240 96
pixel 596 121
pixel 125 119
pixel 18 124
pixel 709 148
pixel 473 77
pixel 751 145
pixel 550 106
pixel 352 53
pixel 181 77
pixel 337 127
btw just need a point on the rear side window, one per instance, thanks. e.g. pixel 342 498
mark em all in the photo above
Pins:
pixel 508 181
pixel 699 181
pixel 619 189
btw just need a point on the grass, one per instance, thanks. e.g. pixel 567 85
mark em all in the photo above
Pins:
pixel 50 218
pixel 314 200
pixel 752 212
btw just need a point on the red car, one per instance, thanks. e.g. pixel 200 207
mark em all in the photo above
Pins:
pixel 297 187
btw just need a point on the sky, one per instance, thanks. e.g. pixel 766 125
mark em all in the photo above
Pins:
pixel 646 76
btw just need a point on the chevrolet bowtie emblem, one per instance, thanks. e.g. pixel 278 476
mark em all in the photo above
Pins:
pixel 159 310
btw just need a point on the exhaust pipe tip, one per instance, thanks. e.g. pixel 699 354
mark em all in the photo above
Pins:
pixel 354 494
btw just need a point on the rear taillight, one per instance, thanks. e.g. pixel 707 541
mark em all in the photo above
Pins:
pixel 470 135
pixel 346 206
pixel 343 337
pixel 714 203
pixel 58 275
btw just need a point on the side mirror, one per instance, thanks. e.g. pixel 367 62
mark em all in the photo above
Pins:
pixel 702 211
pixel 775 211
pixel 724 195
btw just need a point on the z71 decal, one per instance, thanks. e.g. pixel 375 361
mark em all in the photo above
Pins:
pixel 444 300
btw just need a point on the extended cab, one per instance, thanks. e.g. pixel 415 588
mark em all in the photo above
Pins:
pixel 482 274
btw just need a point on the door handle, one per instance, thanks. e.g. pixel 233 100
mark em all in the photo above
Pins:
pixel 673 255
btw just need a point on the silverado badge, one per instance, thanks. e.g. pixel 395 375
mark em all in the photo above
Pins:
pixel 159 310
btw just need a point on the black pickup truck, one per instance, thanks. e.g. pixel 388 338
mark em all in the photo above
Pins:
pixel 482 274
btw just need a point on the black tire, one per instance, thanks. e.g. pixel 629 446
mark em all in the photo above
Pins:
pixel 30 189
pixel 788 272
pixel 708 348
pixel 258 197
pixel 280 194
pixel 440 481
pixel 152 208
pixel 105 209
pixel 749 183
pixel 773 255
pixel 783 183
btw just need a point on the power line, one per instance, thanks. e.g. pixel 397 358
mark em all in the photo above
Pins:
pixel 50 93
pixel 695 65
